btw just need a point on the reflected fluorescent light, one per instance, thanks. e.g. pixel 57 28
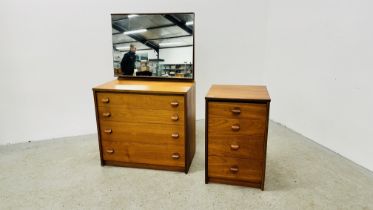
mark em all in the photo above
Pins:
pixel 122 48
pixel 135 31
pixel 131 16
pixel 169 43
pixel 189 23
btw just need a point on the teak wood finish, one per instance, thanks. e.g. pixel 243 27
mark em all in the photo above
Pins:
pixel 147 124
pixel 236 134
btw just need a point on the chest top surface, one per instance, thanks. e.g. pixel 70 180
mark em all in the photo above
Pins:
pixel 145 86
pixel 239 92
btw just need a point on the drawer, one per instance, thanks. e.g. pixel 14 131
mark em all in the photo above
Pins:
pixel 121 114
pixel 144 133
pixel 237 146
pixel 235 110
pixel 129 101
pixel 143 153
pixel 228 126
pixel 249 170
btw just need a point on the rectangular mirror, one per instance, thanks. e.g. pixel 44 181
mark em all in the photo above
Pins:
pixel 153 45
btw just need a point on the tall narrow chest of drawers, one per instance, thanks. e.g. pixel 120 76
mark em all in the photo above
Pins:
pixel 147 124
pixel 236 134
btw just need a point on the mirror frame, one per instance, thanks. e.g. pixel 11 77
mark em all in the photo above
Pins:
pixel 157 78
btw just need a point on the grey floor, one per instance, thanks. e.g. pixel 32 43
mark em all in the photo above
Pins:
pixel 66 174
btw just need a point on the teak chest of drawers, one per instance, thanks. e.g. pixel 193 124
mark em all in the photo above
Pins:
pixel 236 134
pixel 146 124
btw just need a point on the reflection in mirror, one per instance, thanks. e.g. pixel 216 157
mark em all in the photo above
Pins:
pixel 153 45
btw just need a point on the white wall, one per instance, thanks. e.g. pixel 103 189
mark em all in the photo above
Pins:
pixel 319 72
pixel 53 52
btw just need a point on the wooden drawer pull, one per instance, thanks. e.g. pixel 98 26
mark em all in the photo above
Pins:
pixel 234 169
pixel 236 110
pixel 106 114
pixel 235 127
pixel 175 104
pixel 108 131
pixel 110 151
pixel 175 156
pixel 175 135
pixel 105 100
pixel 235 146
pixel 175 117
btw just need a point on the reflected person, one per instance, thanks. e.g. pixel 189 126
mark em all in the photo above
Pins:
pixel 128 61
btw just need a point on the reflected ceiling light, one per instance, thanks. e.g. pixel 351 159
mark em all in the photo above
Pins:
pixel 135 31
pixel 122 48
pixel 189 23
pixel 169 43
pixel 131 16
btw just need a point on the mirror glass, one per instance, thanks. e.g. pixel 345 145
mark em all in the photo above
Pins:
pixel 153 45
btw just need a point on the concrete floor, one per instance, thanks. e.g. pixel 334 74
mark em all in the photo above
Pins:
pixel 66 174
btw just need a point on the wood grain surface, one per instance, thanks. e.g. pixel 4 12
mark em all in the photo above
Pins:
pixel 248 169
pixel 143 133
pixel 143 153
pixel 241 92
pixel 146 86
pixel 141 101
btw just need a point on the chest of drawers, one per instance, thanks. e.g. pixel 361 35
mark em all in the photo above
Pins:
pixel 236 134
pixel 146 124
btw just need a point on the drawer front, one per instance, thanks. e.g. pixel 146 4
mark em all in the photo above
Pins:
pixel 249 170
pixel 128 101
pixel 237 146
pixel 235 110
pixel 143 153
pixel 144 133
pixel 228 126
pixel 122 114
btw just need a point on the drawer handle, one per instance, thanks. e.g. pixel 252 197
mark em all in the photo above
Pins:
pixel 234 169
pixel 105 100
pixel 235 127
pixel 108 131
pixel 106 114
pixel 235 146
pixel 175 117
pixel 175 135
pixel 236 110
pixel 175 104
pixel 175 156
pixel 110 151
